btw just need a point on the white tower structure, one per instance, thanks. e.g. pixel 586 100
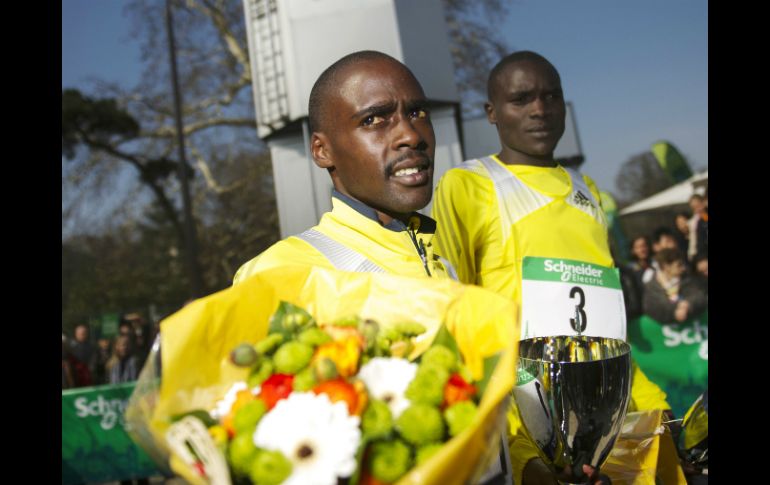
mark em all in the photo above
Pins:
pixel 292 41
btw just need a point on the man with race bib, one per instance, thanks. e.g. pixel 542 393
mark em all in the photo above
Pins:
pixel 527 228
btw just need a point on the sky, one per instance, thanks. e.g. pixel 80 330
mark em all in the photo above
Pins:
pixel 635 72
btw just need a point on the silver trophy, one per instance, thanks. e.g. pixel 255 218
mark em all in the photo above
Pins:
pixel 572 393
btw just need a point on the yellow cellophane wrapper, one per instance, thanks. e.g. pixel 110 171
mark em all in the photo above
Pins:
pixel 644 450
pixel 196 342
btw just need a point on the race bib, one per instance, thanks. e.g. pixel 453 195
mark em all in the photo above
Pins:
pixel 568 297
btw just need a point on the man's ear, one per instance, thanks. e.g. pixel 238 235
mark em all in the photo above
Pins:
pixel 319 148
pixel 491 115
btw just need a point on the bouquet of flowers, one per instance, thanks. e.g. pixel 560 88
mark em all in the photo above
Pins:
pixel 339 401
pixel 310 394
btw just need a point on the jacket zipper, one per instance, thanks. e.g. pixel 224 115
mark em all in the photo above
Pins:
pixel 420 248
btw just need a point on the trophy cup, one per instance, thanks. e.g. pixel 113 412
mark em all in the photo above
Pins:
pixel 572 393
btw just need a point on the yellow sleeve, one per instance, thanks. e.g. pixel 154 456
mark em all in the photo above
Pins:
pixel 459 208
pixel 645 394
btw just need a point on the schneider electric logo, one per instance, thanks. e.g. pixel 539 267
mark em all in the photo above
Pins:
pixel 575 273
pixel 110 411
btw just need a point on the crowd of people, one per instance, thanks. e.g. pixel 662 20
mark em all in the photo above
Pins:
pixel 666 277
pixel 111 360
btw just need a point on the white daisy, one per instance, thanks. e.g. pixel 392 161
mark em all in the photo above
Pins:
pixel 387 378
pixel 319 437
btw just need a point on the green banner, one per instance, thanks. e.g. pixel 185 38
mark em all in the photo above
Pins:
pixel 671 161
pixel 673 356
pixel 569 271
pixel 94 446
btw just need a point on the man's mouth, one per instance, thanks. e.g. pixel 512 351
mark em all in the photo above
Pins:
pixel 408 171
pixel 416 172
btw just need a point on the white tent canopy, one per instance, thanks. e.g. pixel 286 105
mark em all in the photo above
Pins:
pixel 674 195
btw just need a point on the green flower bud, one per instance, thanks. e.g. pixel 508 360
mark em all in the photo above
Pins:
pixel 369 329
pixel 242 452
pixel 260 373
pixel 389 460
pixel 325 369
pixel 267 345
pixel 410 329
pixel 270 468
pixel 296 319
pixel 244 355
pixel 441 356
pixel 314 337
pixel 460 416
pixel 420 424
pixel 292 357
pixel 248 415
pixel 427 387
pixel 304 380
pixel 377 420
pixel 349 321
pixel 390 334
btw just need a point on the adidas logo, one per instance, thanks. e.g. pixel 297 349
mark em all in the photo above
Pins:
pixel 582 199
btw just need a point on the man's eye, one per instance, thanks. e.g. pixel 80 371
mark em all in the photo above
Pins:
pixel 373 120
pixel 419 113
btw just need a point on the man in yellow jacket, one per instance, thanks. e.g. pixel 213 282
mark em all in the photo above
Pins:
pixel 371 130
pixel 529 229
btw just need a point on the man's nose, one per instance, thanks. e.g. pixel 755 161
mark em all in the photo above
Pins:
pixel 407 134
pixel 539 107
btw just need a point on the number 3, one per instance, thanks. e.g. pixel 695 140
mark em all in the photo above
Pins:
pixel 581 319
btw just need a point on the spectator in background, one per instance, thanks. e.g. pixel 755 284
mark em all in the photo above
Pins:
pixel 640 256
pixel 83 356
pixel 67 377
pixel 682 233
pixel 699 229
pixel 123 367
pixel 700 265
pixel 123 364
pixel 662 238
pixel 103 355
pixel 142 332
pixel 700 268
pixel 673 296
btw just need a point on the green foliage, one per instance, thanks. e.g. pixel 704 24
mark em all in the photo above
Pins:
pixel 99 120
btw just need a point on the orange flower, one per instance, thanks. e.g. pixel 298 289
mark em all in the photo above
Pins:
pixel 341 333
pixel 340 390
pixel 344 353
pixel 456 390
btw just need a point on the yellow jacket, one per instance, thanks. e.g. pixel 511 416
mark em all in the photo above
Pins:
pixel 357 241
pixel 485 232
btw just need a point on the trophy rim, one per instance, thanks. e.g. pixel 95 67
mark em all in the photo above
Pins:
pixel 623 352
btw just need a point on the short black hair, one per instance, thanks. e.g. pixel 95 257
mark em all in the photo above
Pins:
pixel 328 79
pixel 510 59
pixel 660 232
